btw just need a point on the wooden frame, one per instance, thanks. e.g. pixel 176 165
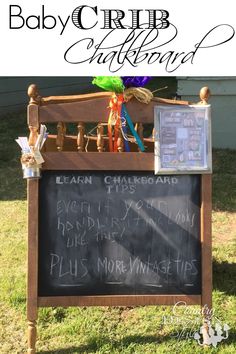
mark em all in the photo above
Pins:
pixel 37 113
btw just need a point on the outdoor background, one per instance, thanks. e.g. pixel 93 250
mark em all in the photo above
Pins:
pixel 104 329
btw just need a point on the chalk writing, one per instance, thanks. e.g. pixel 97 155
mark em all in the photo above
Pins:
pixel 64 267
pixel 122 233
pixel 73 179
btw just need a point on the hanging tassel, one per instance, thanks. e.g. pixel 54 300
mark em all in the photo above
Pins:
pixel 133 131
pixel 118 110
pixel 124 129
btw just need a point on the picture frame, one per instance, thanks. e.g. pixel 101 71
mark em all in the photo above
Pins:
pixel 183 139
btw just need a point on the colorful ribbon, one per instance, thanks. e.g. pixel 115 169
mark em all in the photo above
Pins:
pixel 118 112
pixel 125 88
pixel 114 120
pixel 124 129
pixel 133 131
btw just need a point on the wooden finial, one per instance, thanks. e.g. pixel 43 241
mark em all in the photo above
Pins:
pixel 80 136
pixel 100 140
pixel 61 132
pixel 32 336
pixel 204 95
pixel 33 94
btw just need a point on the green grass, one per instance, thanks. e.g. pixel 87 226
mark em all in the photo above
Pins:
pixel 105 329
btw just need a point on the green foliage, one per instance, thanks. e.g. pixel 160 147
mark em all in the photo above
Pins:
pixel 109 83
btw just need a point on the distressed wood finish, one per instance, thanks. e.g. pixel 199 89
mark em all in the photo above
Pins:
pixel 118 300
pixel 55 109
pixel 33 94
pixel 80 137
pixel 32 337
pixel 206 241
pixel 73 98
pixel 103 161
pixel 69 112
pixel 61 132
pixel 33 114
pixel 89 96
pixel 32 274
pixel 96 110
pixel 33 136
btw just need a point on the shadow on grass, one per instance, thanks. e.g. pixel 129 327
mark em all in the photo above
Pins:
pixel 224 275
pixel 13 186
pixel 96 343
pixel 224 173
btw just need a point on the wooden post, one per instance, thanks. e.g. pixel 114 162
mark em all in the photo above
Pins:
pixel 32 197
pixel 206 252
pixel 206 240
pixel 100 140
pixel 61 132
pixel 33 135
pixel 80 137
pixel 32 275
pixel 120 142
pixel 33 114
pixel 32 336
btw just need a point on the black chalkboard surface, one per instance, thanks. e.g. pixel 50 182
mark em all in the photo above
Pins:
pixel 104 233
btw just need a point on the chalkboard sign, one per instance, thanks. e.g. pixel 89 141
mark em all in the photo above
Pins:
pixel 103 229
pixel 130 233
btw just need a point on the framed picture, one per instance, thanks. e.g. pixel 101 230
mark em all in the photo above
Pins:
pixel 183 139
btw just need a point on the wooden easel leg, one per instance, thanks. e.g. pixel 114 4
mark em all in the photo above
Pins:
pixel 205 333
pixel 206 326
pixel 32 336
pixel 206 301
pixel 32 277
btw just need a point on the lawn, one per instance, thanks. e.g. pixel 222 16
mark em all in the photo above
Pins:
pixel 104 329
